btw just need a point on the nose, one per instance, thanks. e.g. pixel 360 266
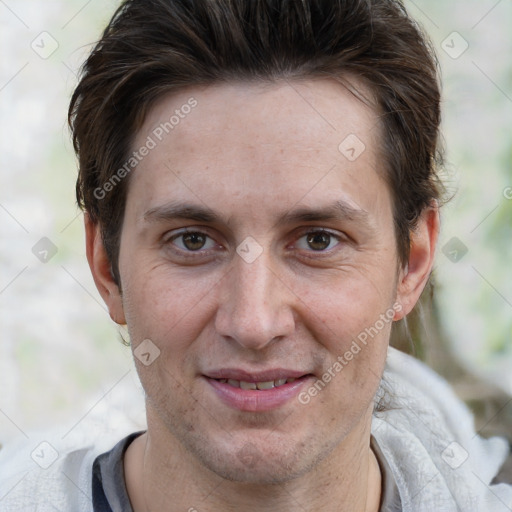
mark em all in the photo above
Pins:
pixel 255 306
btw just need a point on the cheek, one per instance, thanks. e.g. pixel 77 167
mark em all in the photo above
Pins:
pixel 346 305
pixel 352 319
pixel 165 307
pixel 170 313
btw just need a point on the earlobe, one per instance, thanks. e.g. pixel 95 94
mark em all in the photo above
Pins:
pixel 415 275
pixel 100 266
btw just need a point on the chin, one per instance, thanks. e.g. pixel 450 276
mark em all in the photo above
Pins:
pixel 263 462
pixel 260 472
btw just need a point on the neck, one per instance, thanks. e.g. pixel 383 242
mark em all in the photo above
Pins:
pixel 161 475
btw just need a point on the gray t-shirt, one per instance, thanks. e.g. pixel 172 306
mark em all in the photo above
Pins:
pixel 109 493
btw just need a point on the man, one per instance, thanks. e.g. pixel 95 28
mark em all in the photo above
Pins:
pixel 259 181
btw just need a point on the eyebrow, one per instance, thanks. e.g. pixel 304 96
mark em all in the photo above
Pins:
pixel 178 210
pixel 339 210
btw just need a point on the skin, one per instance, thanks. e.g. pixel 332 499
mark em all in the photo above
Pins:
pixel 250 153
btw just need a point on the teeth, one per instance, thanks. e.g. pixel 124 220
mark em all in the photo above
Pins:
pixel 247 385
pixel 256 385
pixel 266 385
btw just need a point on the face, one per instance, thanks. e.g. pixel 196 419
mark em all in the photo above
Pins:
pixel 258 251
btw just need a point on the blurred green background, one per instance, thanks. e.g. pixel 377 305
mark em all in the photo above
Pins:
pixel 61 358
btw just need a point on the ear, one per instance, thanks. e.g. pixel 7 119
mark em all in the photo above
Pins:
pixel 101 271
pixel 414 277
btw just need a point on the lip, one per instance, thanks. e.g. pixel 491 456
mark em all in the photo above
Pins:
pixel 250 400
pixel 254 376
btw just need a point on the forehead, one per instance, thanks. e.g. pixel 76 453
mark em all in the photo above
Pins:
pixel 278 143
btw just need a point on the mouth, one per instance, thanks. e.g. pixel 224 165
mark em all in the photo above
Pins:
pixel 260 386
pixel 256 393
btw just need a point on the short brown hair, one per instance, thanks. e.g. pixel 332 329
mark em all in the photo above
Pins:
pixel 153 47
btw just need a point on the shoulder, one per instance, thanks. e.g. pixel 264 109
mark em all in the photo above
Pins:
pixel 50 474
pixel 428 438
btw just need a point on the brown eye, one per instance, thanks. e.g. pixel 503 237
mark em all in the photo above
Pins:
pixel 194 241
pixel 319 240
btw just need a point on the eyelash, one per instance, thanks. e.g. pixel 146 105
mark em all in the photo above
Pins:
pixel 187 253
pixel 201 252
pixel 325 253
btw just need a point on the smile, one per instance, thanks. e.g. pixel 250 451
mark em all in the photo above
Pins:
pixel 257 395
pixel 269 384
